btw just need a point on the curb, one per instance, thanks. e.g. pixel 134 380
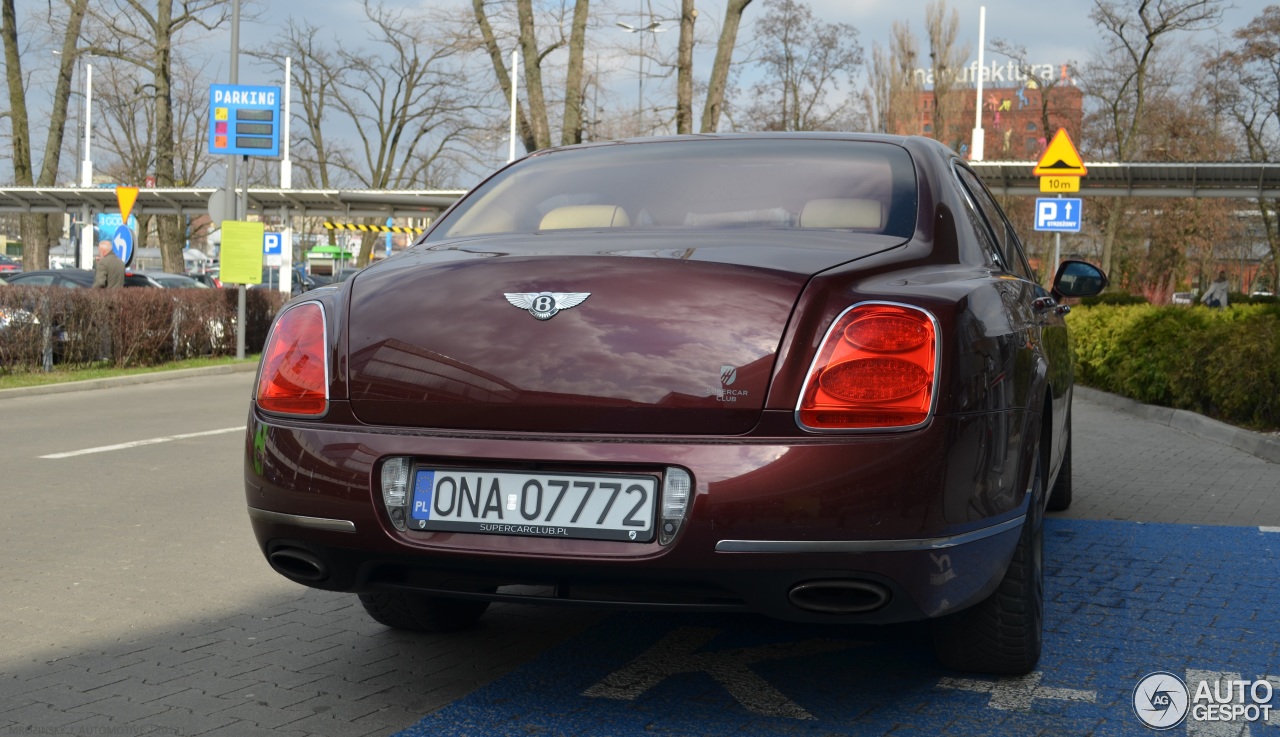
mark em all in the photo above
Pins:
pixel 1266 447
pixel 130 380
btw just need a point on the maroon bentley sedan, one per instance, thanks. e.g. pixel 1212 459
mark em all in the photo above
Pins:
pixel 808 375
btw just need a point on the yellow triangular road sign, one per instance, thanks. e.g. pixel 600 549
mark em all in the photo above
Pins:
pixel 126 196
pixel 1060 159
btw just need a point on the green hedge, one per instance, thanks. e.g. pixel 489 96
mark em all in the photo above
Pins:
pixel 1221 363
pixel 40 326
pixel 1115 298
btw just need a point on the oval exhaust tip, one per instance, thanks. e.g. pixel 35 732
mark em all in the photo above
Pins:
pixel 839 596
pixel 298 565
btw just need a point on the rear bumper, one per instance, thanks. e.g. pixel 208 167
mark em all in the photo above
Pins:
pixel 927 519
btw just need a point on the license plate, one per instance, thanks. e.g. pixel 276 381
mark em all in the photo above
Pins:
pixel 584 506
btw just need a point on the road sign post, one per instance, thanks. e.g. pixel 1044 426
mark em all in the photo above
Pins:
pixel 1060 168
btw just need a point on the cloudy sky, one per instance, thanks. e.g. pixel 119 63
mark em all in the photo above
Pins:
pixel 1052 31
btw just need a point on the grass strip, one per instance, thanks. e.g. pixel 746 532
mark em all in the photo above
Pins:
pixel 59 376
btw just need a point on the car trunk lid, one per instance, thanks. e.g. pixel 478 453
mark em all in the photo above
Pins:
pixel 670 340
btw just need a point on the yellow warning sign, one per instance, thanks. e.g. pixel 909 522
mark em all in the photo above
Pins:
pixel 1059 184
pixel 126 196
pixel 1060 159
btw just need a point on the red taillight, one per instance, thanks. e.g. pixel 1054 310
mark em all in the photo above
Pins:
pixel 294 379
pixel 876 369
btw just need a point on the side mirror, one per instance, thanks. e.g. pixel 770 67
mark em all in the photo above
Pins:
pixel 1079 279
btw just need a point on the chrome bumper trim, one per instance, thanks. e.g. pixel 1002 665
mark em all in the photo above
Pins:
pixel 297 520
pixel 866 546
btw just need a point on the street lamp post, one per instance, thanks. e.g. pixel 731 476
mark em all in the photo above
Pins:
pixel 84 166
pixel 653 27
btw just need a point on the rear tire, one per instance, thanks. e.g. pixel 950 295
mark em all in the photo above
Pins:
pixel 1003 633
pixel 403 610
pixel 1060 496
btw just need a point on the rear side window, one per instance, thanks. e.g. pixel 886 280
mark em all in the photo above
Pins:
pixel 861 186
pixel 1010 248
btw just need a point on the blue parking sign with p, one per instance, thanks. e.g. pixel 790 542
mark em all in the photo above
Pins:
pixel 1060 214
pixel 271 244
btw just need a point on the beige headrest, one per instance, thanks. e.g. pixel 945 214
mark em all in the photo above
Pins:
pixel 585 216
pixel 861 214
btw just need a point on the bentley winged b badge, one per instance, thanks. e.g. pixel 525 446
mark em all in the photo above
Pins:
pixel 545 305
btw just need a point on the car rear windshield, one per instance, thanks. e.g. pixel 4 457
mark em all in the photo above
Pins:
pixel 863 186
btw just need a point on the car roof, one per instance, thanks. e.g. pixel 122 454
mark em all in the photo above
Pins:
pixel 756 135
pixel 72 274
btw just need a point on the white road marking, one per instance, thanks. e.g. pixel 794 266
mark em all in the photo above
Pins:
pixel 148 441
pixel 1018 692
pixel 1269 529
pixel 677 653
pixel 1221 680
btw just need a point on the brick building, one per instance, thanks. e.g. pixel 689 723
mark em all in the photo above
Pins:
pixel 1013 118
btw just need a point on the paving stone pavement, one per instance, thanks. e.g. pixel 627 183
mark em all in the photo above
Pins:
pixel 1129 468
pixel 312 663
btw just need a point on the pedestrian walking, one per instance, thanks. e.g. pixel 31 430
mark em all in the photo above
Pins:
pixel 109 269
pixel 1216 294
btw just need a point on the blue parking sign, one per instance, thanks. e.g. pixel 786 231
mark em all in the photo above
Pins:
pixel 272 244
pixel 1061 214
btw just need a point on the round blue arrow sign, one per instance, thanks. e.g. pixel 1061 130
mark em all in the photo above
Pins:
pixel 122 244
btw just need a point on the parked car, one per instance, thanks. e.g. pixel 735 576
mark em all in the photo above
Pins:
pixel 77 278
pixel 207 279
pixel 72 278
pixel 342 275
pixel 12 315
pixel 9 264
pixel 167 280
pixel 298 285
pixel 811 376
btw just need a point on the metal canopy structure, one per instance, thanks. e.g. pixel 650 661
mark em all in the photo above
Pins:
pixel 1204 179
pixel 329 203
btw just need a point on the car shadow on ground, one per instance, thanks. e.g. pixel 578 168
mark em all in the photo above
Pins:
pixel 1122 600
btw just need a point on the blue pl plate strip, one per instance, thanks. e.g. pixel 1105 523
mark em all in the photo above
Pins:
pixel 1122 600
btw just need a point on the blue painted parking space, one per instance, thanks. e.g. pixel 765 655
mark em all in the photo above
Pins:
pixel 1200 604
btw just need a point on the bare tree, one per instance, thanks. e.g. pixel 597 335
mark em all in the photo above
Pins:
pixel 1132 33
pixel 571 120
pixel 1183 128
pixel 147 34
pixel 713 108
pixel 804 62
pixel 534 123
pixel 1044 85
pixel 127 134
pixel 946 61
pixel 1249 76
pixel 316 70
pixel 405 95
pixel 192 160
pixel 37 230
pixel 894 88
pixel 684 64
